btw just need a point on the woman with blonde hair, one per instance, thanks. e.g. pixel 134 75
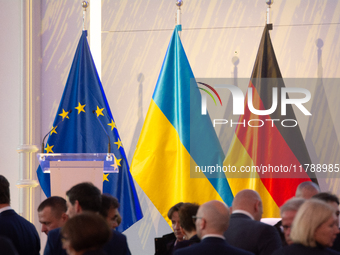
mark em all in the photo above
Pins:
pixel 314 230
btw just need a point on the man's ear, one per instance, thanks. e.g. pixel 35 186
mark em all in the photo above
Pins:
pixel 202 224
pixel 77 207
pixel 64 217
pixel 257 206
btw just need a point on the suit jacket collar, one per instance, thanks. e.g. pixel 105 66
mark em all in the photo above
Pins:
pixel 8 212
pixel 212 239
pixel 5 209
pixel 239 216
pixel 244 212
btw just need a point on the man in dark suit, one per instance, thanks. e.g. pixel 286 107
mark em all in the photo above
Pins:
pixel 245 230
pixel 18 230
pixel 80 198
pixel 288 211
pixel 305 190
pixel 52 213
pixel 7 246
pixel 211 221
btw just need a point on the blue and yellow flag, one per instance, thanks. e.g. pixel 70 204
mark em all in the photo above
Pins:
pixel 80 132
pixel 176 138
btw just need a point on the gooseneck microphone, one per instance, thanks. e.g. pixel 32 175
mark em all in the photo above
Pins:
pixel 108 137
pixel 43 142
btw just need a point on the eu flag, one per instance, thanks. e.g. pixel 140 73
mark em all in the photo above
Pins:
pixel 80 132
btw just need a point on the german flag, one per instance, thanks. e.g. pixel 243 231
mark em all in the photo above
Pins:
pixel 272 142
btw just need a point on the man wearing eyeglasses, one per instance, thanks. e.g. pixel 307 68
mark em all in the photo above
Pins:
pixel 212 219
pixel 288 211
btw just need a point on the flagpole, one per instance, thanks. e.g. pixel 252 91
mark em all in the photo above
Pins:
pixel 179 3
pixel 269 3
pixel 84 4
pixel 26 149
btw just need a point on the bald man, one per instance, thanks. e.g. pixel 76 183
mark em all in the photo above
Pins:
pixel 306 190
pixel 246 231
pixel 212 220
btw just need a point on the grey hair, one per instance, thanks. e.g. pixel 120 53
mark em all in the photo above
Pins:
pixel 292 204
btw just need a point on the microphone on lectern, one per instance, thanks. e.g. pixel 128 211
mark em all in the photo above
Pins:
pixel 43 142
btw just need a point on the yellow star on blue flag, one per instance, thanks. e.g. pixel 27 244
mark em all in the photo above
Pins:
pixel 83 133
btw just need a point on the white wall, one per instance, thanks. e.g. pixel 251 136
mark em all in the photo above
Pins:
pixel 10 80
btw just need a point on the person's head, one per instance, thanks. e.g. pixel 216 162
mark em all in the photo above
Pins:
pixel 174 217
pixel 315 223
pixel 288 211
pixel 109 210
pixel 250 201
pixel 85 232
pixel 52 213
pixel 186 212
pixel 119 219
pixel 306 190
pixel 330 199
pixel 83 197
pixel 212 218
pixel 4 191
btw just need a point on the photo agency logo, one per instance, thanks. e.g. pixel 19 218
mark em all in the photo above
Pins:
pixel 271 109
pixel 204 97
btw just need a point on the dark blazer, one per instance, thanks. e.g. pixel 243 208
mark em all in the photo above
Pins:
pixel 21 232
pixel 300 249
pixel 96 252
pixel 117 244
pixel 185 243
pixel 164 245
pixel 252 235
pixel 213 246
pixel 336 244
pixel 7 247
pixel 278 226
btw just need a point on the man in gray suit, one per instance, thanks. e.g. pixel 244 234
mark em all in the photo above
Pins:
pixel 245 230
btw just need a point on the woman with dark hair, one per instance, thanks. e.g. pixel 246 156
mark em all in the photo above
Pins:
pixel 85 234
pixel 187 214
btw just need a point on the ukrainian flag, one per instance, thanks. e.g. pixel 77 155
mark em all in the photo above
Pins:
pixel 176 138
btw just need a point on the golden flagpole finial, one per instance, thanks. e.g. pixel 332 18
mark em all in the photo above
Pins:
pixel 84 4
pixel 179 3
pixel 269 3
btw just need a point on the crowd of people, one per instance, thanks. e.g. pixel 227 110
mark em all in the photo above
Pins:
pixel 85 223
pixel 309 225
